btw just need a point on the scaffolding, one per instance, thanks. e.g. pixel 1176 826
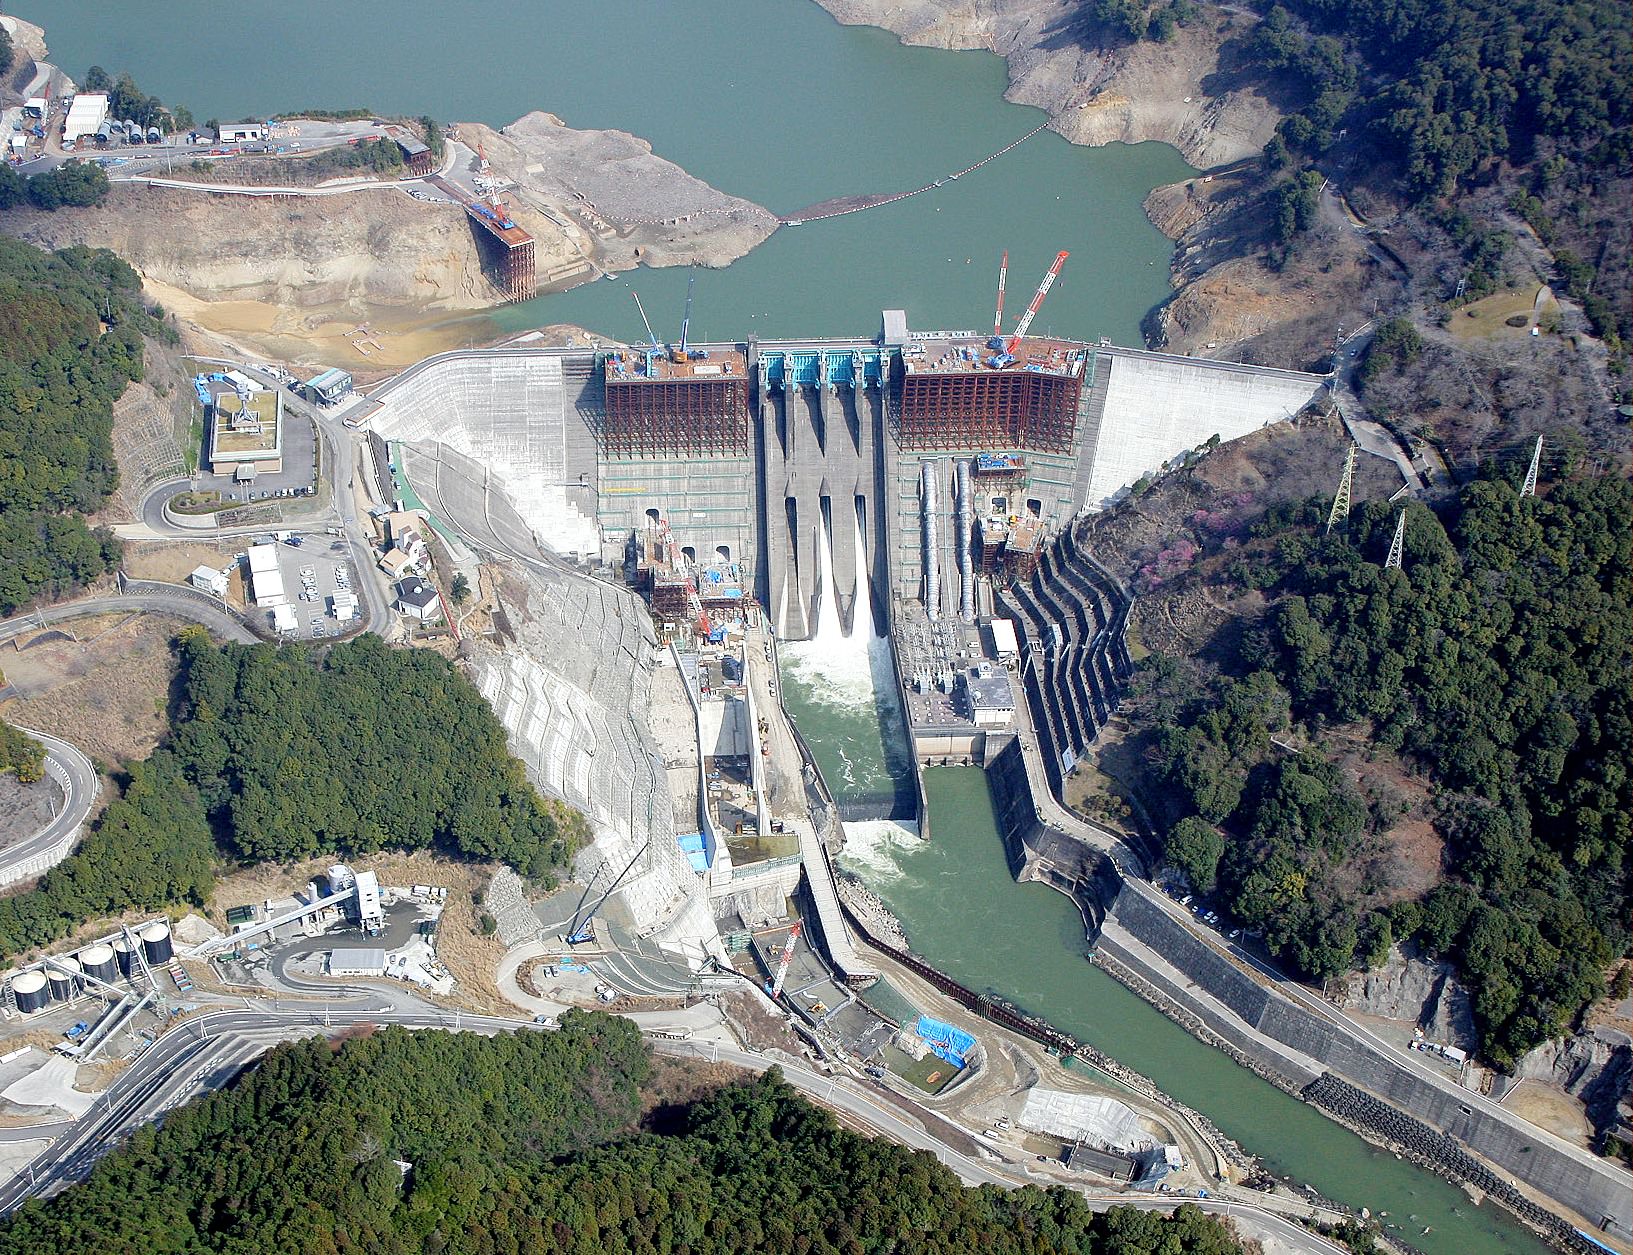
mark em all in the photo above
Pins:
pixel 959 410
pixel 507 251
pixel 674 409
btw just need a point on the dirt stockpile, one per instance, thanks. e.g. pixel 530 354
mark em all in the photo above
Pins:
pixel 1096 95
pixel 633 204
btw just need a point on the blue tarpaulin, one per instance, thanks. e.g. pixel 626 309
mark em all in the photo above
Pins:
pixel 947 1042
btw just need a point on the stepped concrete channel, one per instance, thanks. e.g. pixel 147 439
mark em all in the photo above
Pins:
pixel 1285 1033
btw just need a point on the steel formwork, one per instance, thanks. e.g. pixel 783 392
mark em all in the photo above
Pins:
pixel 956 410
pixel 653 417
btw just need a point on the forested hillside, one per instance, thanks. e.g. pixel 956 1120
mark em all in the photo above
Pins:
pixel 273 755
pixel 1492 670
pixel 71 327
pixel 452 1144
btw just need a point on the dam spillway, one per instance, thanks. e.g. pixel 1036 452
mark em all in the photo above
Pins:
pixel 737 452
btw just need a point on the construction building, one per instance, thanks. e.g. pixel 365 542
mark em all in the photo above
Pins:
pixel 265 579
pixel 416 156
pixel 507 250
pixel 85 116
pixel 330 387
pixel 240 133
pixel 246 433
pixel 657 406
pixel 969 394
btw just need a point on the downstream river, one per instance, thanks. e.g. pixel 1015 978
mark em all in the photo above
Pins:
pixel 773 101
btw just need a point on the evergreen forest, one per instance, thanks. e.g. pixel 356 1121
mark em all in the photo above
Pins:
pixel 71 328
pixel 456 1144
pixel 1489 673
pixel 274 755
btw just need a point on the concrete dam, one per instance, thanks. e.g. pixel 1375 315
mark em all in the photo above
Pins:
pixel 746 457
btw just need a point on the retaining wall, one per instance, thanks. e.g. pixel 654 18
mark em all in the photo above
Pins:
pixel 1596 1190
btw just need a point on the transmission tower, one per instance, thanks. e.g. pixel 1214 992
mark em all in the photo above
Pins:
pixel 1340 501
pixel 1397 546
pixel 1530 489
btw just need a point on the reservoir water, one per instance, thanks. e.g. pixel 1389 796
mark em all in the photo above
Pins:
pixel 766 99
pixel 773 101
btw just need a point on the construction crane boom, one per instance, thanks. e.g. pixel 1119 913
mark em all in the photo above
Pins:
pixel 787 959
pixel 647 322
pixel 1037 300
pixel 998 318
pixel 679 355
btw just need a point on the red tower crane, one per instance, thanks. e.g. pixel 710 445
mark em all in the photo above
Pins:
pixel 998 318
pixel 787 959
pixel 1037 300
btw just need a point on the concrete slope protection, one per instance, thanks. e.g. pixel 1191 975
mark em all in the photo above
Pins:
pixel 75 775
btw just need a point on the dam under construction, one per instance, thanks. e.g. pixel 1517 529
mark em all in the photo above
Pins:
pixel 896 522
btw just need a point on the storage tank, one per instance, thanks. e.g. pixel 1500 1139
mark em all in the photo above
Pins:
pixel 124 953
pixel 156 943
pixel 341 878
pixel 62 976
pixel 30 991
pixel 98 961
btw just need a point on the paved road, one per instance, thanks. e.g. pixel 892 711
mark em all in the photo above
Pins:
pixel 73 772
pixel 183 603
pixel 211 1049
pixel 339 460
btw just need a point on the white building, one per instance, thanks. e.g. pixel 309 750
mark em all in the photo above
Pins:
pixel 370 915
pixel 240 132
pixel 1004 643
pixel 284 618
pixel 88 112
pixel 344 605
pixel 369 961
pixel 209 580
pixel 266 581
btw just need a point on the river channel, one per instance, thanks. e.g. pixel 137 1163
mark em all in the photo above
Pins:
pixel 773 101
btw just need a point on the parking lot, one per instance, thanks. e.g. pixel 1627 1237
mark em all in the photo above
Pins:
pixel 298 478
pixel 313 572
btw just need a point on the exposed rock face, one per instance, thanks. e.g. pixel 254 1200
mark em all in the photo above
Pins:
pixel 1173 92
pixel 1595 1066
pixel 1416 990
pixel 377 247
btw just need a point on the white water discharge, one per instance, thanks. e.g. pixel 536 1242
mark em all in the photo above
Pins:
pixel 875 849
pixel 841 668
pixel 848 677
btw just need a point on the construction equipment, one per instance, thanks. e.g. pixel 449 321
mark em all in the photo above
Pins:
pixel 679 354
pixel 1037 300
pixel 581 928
pixel 787 959
pixel 998 318
pixel 650 334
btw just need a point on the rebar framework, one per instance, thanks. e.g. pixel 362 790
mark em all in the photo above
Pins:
pixel 959 410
